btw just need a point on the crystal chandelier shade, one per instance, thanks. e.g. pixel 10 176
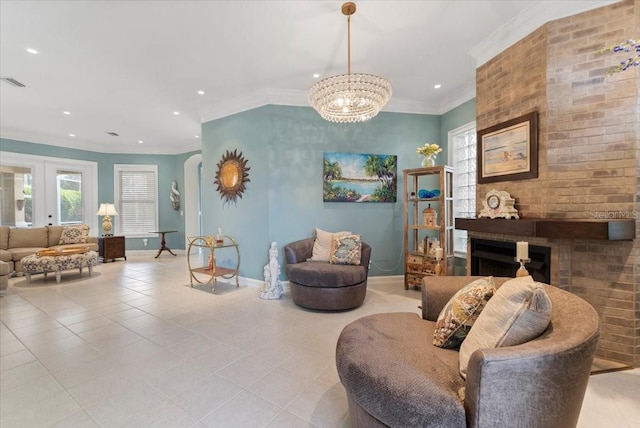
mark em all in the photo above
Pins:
pixel 350 98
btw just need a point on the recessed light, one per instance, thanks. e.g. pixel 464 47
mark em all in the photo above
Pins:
pixel 316 75
pixel 72 135
pixel 437 86
pixel 32 51
pixel 200 92
pixel 66 112
pixel 140 141
pixel 197 136
pixel 176 113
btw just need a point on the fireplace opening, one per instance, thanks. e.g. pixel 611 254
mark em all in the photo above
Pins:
pixel 497 258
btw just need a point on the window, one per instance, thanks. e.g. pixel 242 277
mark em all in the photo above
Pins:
pixel 136 193
pixel 462 155
pixel 69 197
pixel 43 190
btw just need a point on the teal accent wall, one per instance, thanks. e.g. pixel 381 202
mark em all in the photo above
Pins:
pixel 455 118
pixel 283 200
pixel 170 167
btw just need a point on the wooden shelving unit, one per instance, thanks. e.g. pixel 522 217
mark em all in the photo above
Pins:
pixel 417 263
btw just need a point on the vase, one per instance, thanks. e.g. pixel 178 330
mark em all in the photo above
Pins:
pixel 428 161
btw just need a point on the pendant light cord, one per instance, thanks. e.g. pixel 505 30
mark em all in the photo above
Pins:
pixel 349 45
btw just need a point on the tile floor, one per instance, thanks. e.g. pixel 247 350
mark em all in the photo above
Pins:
pixel 134 346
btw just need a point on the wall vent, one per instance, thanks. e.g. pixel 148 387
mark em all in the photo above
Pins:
pixel 113 134
pixel 13 82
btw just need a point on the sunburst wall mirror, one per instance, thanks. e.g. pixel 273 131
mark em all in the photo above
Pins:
pixel 231 175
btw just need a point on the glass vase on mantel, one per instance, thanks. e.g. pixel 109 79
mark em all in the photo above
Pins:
pixel 429 161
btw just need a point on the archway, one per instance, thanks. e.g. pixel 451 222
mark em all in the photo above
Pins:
pixel 192 209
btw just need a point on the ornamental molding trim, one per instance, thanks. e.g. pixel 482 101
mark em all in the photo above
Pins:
pixel 536 15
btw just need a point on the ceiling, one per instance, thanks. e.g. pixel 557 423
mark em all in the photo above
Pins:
pixel 127 66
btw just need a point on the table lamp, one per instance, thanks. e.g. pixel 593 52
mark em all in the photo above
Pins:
pixel 107 210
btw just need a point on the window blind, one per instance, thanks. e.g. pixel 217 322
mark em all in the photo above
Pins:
pixel 137 201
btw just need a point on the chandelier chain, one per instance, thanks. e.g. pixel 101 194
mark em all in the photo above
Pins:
pixel 349 45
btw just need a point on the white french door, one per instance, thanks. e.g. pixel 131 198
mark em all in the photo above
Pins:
pixel 49 191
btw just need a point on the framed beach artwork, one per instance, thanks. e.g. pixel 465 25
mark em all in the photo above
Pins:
pixel 509 151
pixel 351 177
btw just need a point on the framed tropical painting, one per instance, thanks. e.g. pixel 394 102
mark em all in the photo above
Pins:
pixel 352 177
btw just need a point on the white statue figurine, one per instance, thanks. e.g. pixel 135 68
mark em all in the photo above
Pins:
pixel 272 287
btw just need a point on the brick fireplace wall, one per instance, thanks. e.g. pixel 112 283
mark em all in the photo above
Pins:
pixel 588 155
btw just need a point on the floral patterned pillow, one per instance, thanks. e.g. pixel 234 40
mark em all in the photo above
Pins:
pixel 346 250
pixel 322 245
pixel 74 234
pixel 462 310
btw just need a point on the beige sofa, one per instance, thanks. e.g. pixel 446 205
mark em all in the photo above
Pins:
pixel 17 243
pixel 4 276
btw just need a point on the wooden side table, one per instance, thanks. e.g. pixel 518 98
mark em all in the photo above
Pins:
pixel 163 241
pixel 111 248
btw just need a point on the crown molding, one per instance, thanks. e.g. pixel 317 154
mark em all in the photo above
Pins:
pixel 536 15
pixel 462 95
pixel 283 97
pixel 237 105
pixel 67 143
pixel 403 105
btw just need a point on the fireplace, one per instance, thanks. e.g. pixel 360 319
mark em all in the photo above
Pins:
pixel 497 258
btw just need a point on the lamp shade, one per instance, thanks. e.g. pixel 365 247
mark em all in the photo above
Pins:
pixel 107 209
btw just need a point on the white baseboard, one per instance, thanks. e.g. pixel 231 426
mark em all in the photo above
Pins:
pixel 154 252
pixel 378 280
pixel 259 283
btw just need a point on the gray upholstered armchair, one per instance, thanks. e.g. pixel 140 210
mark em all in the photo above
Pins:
pixel 325 286
pixel 394 376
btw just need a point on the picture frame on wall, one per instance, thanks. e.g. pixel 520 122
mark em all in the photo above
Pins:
pixel 359 177
pixel 509 151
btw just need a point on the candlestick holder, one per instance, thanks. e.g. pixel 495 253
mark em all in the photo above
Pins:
pixel 522 271
pixel 438 268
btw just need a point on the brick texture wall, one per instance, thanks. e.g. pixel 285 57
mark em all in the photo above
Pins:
pixel 588 155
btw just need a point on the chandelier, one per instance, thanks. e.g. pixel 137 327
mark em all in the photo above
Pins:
pixel 349 98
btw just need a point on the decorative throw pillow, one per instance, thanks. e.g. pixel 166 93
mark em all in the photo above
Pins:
pixel 519 311
pixel 322 245
pixel 346 250
pixel 74 234
pixel 460 313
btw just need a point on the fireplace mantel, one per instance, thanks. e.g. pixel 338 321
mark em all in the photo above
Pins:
pixel 612 230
